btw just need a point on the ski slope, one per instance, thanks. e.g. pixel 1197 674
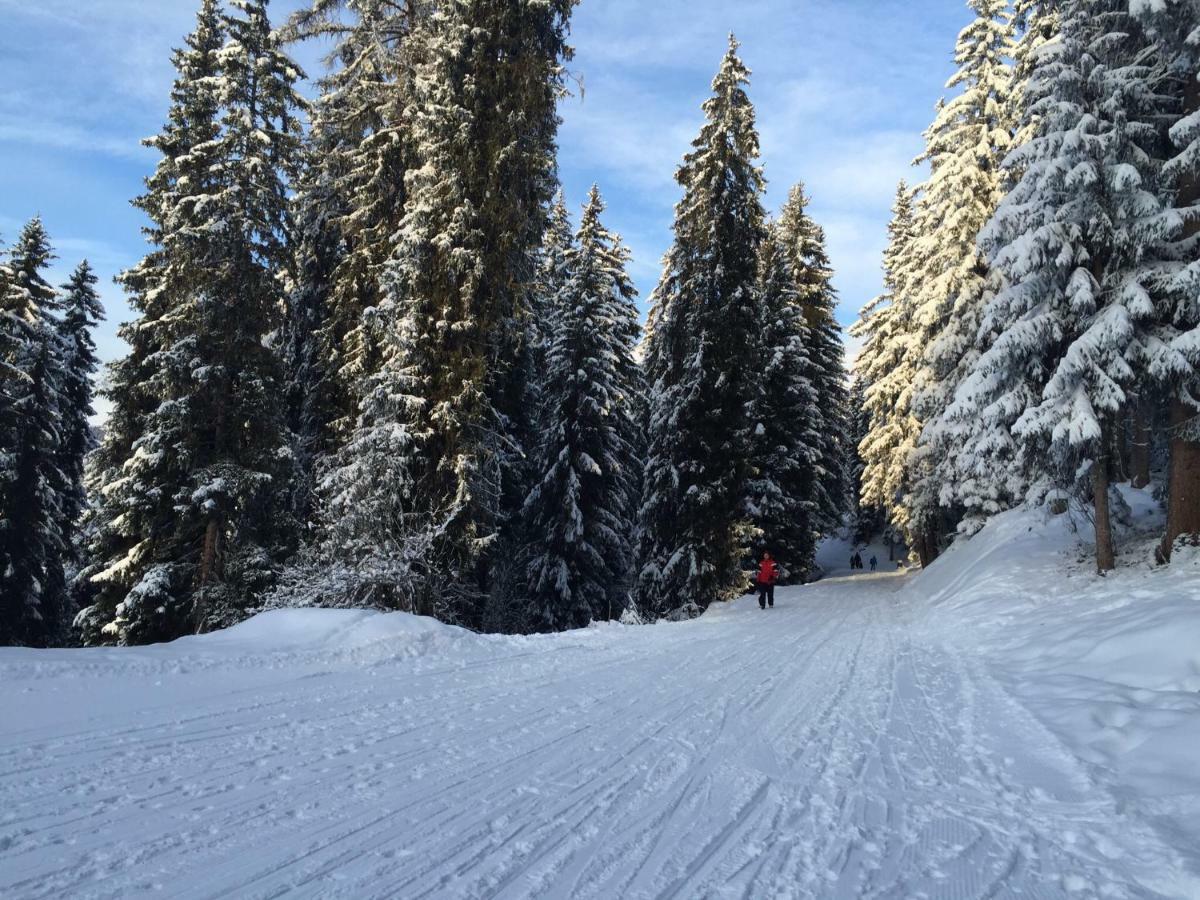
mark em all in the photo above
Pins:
pixel 833 747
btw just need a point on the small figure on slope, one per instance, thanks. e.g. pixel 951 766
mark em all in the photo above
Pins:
pixel 768 574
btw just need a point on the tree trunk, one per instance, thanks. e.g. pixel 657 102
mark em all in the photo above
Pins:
pixel 1183 503
pixel 1139 445
pixel 210 556
pixel 1105 561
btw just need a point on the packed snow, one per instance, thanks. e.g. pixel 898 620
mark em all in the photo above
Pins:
pixel 1004 724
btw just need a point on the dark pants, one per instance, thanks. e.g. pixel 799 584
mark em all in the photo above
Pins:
pixel 766 594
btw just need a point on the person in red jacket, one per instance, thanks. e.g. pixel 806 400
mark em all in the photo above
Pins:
pixel 768 574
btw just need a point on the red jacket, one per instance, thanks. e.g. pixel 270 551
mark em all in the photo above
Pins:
pixel 767 572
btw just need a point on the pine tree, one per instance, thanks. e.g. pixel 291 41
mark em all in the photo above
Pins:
pixel 81 313
pixel 702 364
pixel 579 513
pixel 965 148
pixel 1175 354
pixel 804 244
pixel 33 486
pixel 194 519
pixel 1073 317
pixel 436 460
pixel 787 418
pixel 349 207
pixel 886 366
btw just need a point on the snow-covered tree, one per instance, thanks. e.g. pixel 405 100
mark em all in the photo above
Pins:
pixel 33 485
pixel 82 311
pixel 579 515
pixel 702 364
pixel 1073 318
pixel 804 246
pixel 966 145
pixel 436 458
pixel 1174 366
pixel 195 515
pixel 349 206
pixel 785 411
pixel 886 367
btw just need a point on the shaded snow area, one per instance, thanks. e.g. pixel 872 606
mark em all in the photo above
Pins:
pixel 1005 724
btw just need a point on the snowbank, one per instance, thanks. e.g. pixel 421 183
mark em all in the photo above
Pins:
pixel 1110 664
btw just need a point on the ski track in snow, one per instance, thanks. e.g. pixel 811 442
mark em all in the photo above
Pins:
pixel 813 750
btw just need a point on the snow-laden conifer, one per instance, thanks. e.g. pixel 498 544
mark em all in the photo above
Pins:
pixel 803 243
pixel 702 364
pixel 787 441
pixel 34 488
pixel 579 514
pixel 1074 315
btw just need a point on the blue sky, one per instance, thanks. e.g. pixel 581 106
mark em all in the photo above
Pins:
pixel 843 88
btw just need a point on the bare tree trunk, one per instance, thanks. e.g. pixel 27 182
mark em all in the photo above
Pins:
pixel 1183 503
pixel 210 555
pixel 1139 445
pixel 1105 559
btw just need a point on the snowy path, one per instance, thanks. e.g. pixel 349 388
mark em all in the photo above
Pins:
pixel 812 750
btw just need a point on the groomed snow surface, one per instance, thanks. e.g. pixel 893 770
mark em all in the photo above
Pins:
pixel 1005 724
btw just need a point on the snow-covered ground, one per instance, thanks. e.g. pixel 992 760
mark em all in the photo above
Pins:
pixel 1004 724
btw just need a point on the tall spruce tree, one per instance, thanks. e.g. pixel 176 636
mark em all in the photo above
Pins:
pixel 435 459
pixel 82 311
pixel 196 510
pixel 349 206
pixel 1175 360
pixel 579 515
pixel 886 366
pixel 965 148
pixel 804 246
pixel 1074 314
pixel 787 441
pixel 702 363
pixel 34 488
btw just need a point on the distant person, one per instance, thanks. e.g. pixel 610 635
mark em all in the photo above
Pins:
pixel 768 574
pixel 874 563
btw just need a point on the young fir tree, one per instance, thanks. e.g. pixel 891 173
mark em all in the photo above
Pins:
pixel 34 488
pixel 787 417
pixel 437 446
pixel 578 516
pixel 886 367
pixel 82 311
pixel 965 148
pixel 1175 359
pixel 1073 316
pixel 703 362
pixel 804 245
pixel 199 503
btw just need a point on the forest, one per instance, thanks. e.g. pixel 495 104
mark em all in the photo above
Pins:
pixel 377 363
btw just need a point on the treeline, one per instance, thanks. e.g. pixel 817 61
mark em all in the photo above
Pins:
pixel 1039 336
pixel 373 364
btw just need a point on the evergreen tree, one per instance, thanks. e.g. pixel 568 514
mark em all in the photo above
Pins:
pixel 1175 354
pixel 1073 317
pixel 702 362
pixel 435 460
pixel 33 486
pixel 198 502
pixel 579 513
pixel 787 418
pixel 804 245
pixel 349 207
pixel 886 367
pixel 81 313
pixel 966 145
